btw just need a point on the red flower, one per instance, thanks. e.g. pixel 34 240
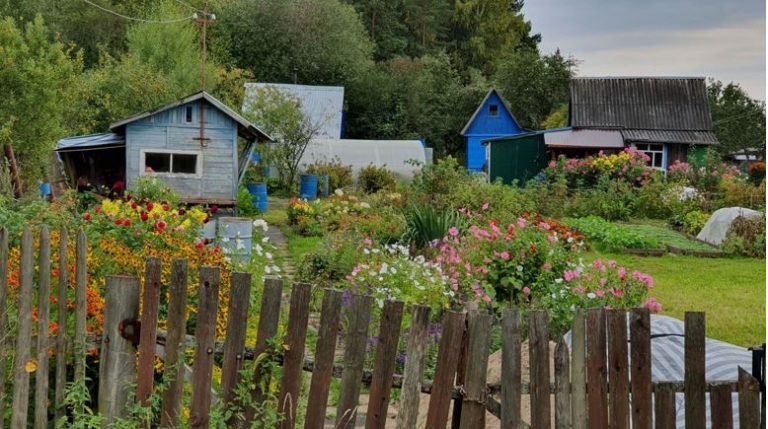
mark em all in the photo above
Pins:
pixel 144 216
pixel 182 212
pixel 126 222
pixel 128 197
pixel 98 209
pixel 87 217
pixel 133 204
pixel 160 225
pixel 150 206
pixel 199 244
pixel 118 221
pixel 214 208
pixel 166 207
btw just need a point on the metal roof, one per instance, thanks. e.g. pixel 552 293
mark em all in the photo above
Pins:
pixel 322 105
pixel 90 142
pixel 480 109
pixel 245 128
pixel 670 136
pixel 648 103
pixel 584 138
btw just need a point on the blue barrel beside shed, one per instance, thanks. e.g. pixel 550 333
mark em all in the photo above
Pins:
pixel 308 188
pixel 259 192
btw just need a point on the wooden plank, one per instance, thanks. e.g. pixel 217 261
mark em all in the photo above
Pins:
pixel 81 311
pixel 269 317
pixel 562 386
pixel 473 407
pixel 384 364
pixel 538 339
pixel 749 401
pixel 666 413
pixel 234 344
pixel 43 325
pixel 640 377
pixel 23 334
pixel 597 370
pixel 618 368
pixel 461 371
pixel 330 319
pixel 721 406
pixel 695 382
pixel 174 343
pixel 150 304
pixel 298 316
pixel 61 333
pixel 445 371
pixel 117 366
pixel 511 369
pixel 579 371
pixel 415 352
pixel 5 344
pixel 205 336
pixel 355 344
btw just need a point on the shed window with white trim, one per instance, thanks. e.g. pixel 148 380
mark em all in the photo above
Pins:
pixel 655 152
pixel 170 163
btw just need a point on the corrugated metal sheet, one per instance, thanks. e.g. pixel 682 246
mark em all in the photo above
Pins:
pixel 584 138
pixel 91 141
pixel 670 136
pixel 321 104
pixel 640 103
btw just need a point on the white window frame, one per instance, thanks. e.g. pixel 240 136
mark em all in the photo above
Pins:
pixel 648 152
pixel 198 165
pixel 184 114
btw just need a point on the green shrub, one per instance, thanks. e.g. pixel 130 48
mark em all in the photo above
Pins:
pixel 736 192
pixel 339 175
pixel 334 259
pixel 426 224
pixel 372 179
pixel 611 236
pixel 746 237
pixel 245 206
pixel 154 189
pixel 612 200
pixel 694 221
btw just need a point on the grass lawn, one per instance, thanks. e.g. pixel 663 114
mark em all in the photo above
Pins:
pixel 730 290
pixel 662 234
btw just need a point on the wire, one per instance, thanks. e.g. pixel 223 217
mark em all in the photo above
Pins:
pixel 131 18
pixel 185 4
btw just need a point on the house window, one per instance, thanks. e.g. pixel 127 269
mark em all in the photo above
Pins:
pixel 157 162
pixel 188 114
pixel 184 163
pixel 655 152
pixel 170 163
pixel 494 109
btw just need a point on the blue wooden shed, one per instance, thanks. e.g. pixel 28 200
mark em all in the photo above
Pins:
pixel 491 119
pixel 191 144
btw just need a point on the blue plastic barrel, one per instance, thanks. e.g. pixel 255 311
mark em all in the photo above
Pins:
pixel 326 182
pixel 45 189
pixel 308 188
pixel 259 192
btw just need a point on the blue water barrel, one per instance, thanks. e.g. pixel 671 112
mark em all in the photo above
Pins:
pixel 308 188
pixel 325 185
pixel 259 192
pixel 45 189
pixel 235 236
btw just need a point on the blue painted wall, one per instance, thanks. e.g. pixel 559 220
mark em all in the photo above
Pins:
pixel 486 125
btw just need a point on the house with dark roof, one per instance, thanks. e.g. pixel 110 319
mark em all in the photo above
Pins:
pixel 190 144
pixel 491 119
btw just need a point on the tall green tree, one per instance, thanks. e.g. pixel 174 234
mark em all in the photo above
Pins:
pixel 428 21
pixel 383 19
pixel 738 120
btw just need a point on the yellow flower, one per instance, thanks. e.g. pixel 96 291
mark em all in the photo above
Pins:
pixel 31 366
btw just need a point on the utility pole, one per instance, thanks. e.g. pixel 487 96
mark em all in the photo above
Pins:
pixel 203 21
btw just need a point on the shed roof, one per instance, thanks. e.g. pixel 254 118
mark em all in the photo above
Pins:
pixel 322 105
pixel 244 128
pixel 90 142
pixel 584 138
pixel 648 103
pixel 480 109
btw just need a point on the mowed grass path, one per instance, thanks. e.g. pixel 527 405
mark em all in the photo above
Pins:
pixel 730 290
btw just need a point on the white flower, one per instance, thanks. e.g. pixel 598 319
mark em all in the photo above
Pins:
pixel 225 239
pixel 268 255
pixel 261 223
pixel 519 268
pixel 375 250
pixel 591 295
pixel 384 268
pixel 339 192
pixel 265 240
pixel 558 280
pixel 366 251
pixel 365 205
pixel 239 244
pixel 267 270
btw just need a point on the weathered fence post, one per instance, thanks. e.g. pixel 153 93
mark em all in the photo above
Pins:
pixel 117 367
pixel 749 401
pixel 205 336
pixel 695 382
pixel 61 333
pixel 43 314
pixel 538 340
pixel 81 311
pixel 293 360
pixel 150 304
pixel 562 386
pixel 4 337
pixel 511 366
pixel 445 371
pixel 23 335
pixel 597 371
pixel 234 344
pixel 665 406
pixel 384 364
pixel 320 383
pixel 618 368
pixel 414 366
pixel 354 359
pixel 642 387
pixel 174 343
pixel 579 372
pixel 473 408
pixel 721 406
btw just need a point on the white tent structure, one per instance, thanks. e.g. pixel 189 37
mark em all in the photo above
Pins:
pixel 394 154
pixel 719 223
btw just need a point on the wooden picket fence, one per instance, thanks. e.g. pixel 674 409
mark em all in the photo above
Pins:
pixel 603 381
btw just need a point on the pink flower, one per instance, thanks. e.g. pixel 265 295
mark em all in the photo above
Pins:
pixel 485 206
pixel 526 291
pixel 612 263
pixel 618 293
pixel 453 231
pixel 504 255
pixel 367 241
pixel 652 305
pixel 521 222
pixel 570 275
pixel 603 281
pixel 622 273
pixel 600 293
pixel 552 238
pixel 547 266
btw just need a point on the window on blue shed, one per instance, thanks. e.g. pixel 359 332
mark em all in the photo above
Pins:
pixel 157 162
pixel 494 109
pixel 184 163
pixel 188 114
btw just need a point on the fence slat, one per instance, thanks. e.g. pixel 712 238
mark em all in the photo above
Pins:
pixel 330 318
pixel 234 343
pixel 579 371
pixel 269 316
pixel 695 382
pixel 354 358
pixel 23 335
pixel 81 278
pixel 61 333
pixel 562 386
pixel 538 340
pixel 597 371
pixel 150 304
pixel 117 367
pixel 665 406
pixel 618 368
pixel 445 371
pixel 43 314
pixel 461 372
pixel 298 316
pixel 384 364
pixel 642 389
pixel 473 403
pixel 205 335
pixel 749 401
pixel 418 337
pixel 511 366
pixel 174 343
pixel 5 340
pixel 721 406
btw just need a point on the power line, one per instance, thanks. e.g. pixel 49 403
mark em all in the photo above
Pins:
pixel 131 18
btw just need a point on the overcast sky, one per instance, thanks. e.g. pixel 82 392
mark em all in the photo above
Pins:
pixel 723 39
